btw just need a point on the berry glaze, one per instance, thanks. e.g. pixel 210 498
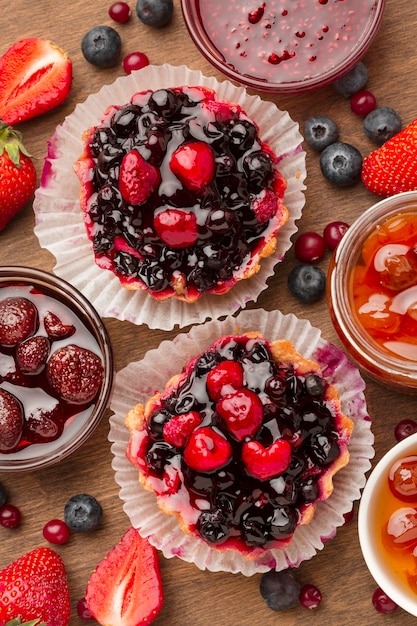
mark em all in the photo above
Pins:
pixel 209 201
pixel 46 414
pixel 257 452
pixel 283 42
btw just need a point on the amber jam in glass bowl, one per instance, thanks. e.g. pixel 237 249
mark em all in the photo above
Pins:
pixel 56 369
pixel 283 46
pixel 387 523
pixel 372 291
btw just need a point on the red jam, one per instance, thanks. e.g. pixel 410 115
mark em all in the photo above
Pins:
pixel 283 41
pixel 383 285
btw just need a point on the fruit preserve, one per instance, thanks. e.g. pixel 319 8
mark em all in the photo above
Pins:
pixel 283 44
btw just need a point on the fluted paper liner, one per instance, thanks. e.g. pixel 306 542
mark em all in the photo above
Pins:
pixel 139 380
pixel 59 221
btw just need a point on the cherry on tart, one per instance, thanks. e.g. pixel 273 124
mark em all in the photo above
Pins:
pixel 242 444
pixel 180 196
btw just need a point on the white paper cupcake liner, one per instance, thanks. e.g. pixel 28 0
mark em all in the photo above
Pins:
pixel 59 222
pixel 139 380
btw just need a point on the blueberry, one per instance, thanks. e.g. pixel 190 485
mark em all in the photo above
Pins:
pixel 307 282
pixel 3 495
pixel 320 131
pixel 341 164
pixel 381 124
pixel 354 80
pixel 101 46
pixel 82 513
pixel 280 590
pixel 154 12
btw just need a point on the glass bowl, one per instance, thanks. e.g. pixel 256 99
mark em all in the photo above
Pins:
pixel 54 295
pixel 378 324
pixel 376 505
pixel 283 47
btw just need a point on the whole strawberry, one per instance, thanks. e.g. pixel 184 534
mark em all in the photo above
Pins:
pixel 35 587
pixel 392 168
pixel 17 174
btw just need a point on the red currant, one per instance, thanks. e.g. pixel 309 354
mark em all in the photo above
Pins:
pixel 362 102
pixel 404 429
pixel 135 61
pixel 310 596
pixel 309 247
pixel 56 531
pixel 382 603
pixel 333 233
pixel 10 516
pixel 83 610
pixel 120 12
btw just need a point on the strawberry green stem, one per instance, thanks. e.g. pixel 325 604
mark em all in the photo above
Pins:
pixel 11 141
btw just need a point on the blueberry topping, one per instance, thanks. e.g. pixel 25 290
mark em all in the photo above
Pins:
pixel 307 282
pixel 154 12
pixel 280 590
pixel 102 46
pixel 82 513
pixel 320 131
pixel 341 164
pixel 381 124
pixel 353 81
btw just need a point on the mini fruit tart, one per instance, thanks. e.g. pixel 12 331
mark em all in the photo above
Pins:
pixel 180 195
pixel 242 444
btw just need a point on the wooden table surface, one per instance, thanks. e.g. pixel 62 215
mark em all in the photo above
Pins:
pixel 194 597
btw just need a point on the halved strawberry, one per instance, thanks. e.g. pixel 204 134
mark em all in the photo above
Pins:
pixel 224 378
pixel 193 163
pixel 126 587
pixel 137 178
pixel 35 77
pixel 177 228
pixel 179 428
pixel 242 412
pixel 265 463
pixel 207 450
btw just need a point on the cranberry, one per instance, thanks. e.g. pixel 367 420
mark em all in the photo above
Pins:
pixel 333 233
pixel 310 596
pixel 83 610
pixel 309 247
pixel 135 61
pixel 404 429
pixel 120 12
pixel 382 603
pixel 56 531
pixel 10 516
pixel 362 102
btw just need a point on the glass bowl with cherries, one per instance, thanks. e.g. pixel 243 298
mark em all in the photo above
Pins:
pixel 282 46
pixel 56 369
pixel 372 291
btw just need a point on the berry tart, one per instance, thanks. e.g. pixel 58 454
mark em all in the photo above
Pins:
pixel 243 444
pixel 180 195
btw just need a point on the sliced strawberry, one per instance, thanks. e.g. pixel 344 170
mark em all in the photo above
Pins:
pixel 177 228
pixel 11 421
pixel 179 428
pixel 242 411
pixel 35 77
pixel 35 586
pixel 193 163
pixel 75 373
pixel 32 354
pixel 18 320
pixel 137 178
pixel 224 378
pixel 126 586
pixel 265 463
pixel 207 450
pixel 55 328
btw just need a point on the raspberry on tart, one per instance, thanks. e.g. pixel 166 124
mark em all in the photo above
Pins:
pixel 242 444
pixel 180 196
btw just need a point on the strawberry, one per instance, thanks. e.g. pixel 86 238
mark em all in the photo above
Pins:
pixel 75 373
pixel 126 587
pixel 32 354
pixel 137 178
pixel 392 168
pixel 242 412
pixel 18 320
pixel 17 173
pixel 207 450
pixel 55 328
pixel 193 164
pixel 178 429
pixel 265 205
pixel 177 228
pixel 265 463
pixel 35 586
pixel 225 377
pixel 35 77
pixel 11 421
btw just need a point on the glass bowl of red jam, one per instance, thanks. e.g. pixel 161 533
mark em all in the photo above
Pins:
pixel 56 369
pixel 283 46
pixel 387 524
pixel 372 291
